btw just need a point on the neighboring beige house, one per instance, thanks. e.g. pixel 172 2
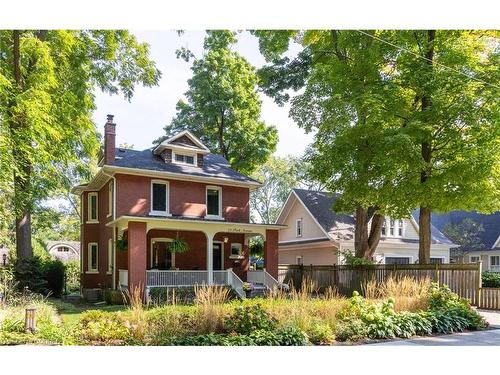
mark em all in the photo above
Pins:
pixel 64 250
pixel 314 234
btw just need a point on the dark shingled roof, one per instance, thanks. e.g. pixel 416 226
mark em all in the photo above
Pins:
pixel 320 204
pixel 491 223
pixel 213 165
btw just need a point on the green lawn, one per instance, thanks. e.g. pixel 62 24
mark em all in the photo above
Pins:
pixel 70 312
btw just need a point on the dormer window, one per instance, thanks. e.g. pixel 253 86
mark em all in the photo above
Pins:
pixel 184 159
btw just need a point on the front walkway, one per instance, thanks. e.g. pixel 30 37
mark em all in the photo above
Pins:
pixel 477 338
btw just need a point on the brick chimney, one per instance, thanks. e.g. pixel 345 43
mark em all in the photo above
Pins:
pixel 109 141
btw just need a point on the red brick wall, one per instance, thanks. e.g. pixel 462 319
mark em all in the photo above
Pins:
pixel 100 233
pixel 136 254
pixel 271 252
pixel 186 198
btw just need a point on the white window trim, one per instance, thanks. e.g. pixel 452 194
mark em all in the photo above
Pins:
pixel 299 220
pixel 211 187
pixel 491 265
pixel 89 208
pixel 438 257
pixel 474 256
pixel 167 199
pixel 396 227
pixel 402 222
pixel 194 155
pixel 240 255
pixel 110 198
pixel 110 256
pixel 410 257
pixel 91 270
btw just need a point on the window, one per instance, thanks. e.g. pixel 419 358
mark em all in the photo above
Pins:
pixel 298 228
pixel 384 228
pixel 214 206
pixel 64 249
pixel 236 250
pixel 495 263
pixel 92 214
pixel 397 260
pixel 110 255
pixel 300 260
pixel 400 228
pixel 474 259
pixel 159 198
pixel 185 159
pixel 110 198
pixel 437 261
pixel 391 227
pixel 92 257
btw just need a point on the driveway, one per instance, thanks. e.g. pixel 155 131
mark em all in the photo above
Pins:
pixel 478 338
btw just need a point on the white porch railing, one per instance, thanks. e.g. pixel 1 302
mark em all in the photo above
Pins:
pixel 262 277
pixel 256 276
pixel 157 278
pixel 123 279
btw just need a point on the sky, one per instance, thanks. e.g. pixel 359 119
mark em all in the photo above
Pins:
pixel 141 120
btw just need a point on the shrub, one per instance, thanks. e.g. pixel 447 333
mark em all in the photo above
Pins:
pixel 320 333
pixel 491 279
pixel 73 275
pixel 408 324
pixel 54 274
pixel 288 336
pixel 443 301
pixel 102 328
pixel 247 319
pixel 114 297
pixel 28 273
pixel 352 329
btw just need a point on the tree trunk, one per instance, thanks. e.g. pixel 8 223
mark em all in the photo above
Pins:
pixel 424 223
pixel 361 233
pixel 375 233
pixel 22 174
pixel 424 233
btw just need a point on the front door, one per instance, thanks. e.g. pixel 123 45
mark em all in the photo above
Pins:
pixel 162 257
pixel 218 263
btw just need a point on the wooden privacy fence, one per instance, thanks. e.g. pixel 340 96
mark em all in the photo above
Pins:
pixel 463 279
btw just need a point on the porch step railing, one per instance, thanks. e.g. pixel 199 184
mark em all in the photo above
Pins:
pixel 262 277
pixel 236 283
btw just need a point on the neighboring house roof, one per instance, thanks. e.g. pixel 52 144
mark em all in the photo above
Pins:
pixel 75 245
pixel 341 226
pixel 213 165
pixel 491 224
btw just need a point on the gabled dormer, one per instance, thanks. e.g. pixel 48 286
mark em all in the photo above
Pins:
pixel 183 148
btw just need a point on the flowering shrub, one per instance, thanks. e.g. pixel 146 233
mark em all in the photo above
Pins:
pixel 247 319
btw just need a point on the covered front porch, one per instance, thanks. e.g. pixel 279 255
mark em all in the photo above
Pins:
pixel 218 253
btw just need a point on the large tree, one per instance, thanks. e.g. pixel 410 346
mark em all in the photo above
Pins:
pixel 223 107
pixel 279 176
pixel 48 80
pixel 404 119
pixel 466 234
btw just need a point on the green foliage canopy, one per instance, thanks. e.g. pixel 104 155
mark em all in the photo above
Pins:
pixel 223 107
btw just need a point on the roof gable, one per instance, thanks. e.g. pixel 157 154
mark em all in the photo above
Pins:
pixel 183 140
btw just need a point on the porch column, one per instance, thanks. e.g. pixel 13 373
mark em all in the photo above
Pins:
pixel 210 257
pixel 137 243
pixel 271 252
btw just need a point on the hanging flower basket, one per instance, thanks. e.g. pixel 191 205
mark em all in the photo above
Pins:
pixel 122 244
pixel 178 246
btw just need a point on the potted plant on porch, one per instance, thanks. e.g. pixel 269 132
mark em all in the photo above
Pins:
pixel 122 243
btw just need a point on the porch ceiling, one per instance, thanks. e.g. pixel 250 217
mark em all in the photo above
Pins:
pixel 206 226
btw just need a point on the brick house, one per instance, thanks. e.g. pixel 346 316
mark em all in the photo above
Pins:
pixel 148 199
